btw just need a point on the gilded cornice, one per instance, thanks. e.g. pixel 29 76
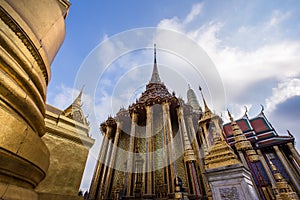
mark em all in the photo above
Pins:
pixel 13 25
pixel 78 139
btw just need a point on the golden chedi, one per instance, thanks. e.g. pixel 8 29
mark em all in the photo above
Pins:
pixel 31 34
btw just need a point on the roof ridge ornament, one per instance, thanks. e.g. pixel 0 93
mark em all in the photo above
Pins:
pixel 246 111
pixel 262 108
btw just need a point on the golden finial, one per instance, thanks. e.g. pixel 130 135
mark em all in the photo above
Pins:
pixel 229 114
pixel 206 109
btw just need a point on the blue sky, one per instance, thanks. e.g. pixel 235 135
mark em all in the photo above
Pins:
pixel 254 46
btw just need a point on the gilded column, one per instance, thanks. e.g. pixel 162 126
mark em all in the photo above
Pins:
pixel 189 156
pixel 295 153
pixel 191 125
pixel 113 155
pixel 204 143
pixel 149 153
pixel 165 148
pixel 31 34
pixel 134 119
pixel 266 168
pixel 169 136
pixel 106 161
pixel 96 178
pixel 208 143
pixel 284 162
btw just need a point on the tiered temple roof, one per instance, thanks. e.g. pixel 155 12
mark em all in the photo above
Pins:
pixel 258 130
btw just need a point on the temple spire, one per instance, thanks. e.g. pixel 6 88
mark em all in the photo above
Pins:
pixel 77 101
pixel 74 111
pixel 155 76
pixel 206 108
pixel 192 100
pixel 241 141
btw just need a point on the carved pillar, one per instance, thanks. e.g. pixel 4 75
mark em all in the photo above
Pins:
pixel 205 130
pixel 205 182
pixel 113 156
pixel 149 153
pixel 106 162
pixel 189 156
pixel 139 162
pixel 96 178
pixel 205 149
pixel 266 168
pixel 218 126
pixel 295 153
pixel 169 137
pixel 165 148
pixel 134 119
pixel 191 126
pixel 286 166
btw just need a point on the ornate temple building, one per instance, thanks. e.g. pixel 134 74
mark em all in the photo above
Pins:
pixel 163 148
pixel 160 147
pixel 43 150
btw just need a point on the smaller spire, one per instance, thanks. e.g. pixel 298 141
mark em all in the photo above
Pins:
pixel 229 114
pixel 241 141
pixel 154 53
pixel 74 111
pixel 206 108
pixel 77 101
pixel 192 100
pixel 155 76
pixel 283 189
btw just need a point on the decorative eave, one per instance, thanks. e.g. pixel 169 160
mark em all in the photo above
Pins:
pixel 278 140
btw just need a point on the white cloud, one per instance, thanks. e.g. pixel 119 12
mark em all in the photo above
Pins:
pixel 285 90
pixel 277 17
pixel 196 10
pixel 178 25
pixel 241 68
pixel 63 98
pixel 172 24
